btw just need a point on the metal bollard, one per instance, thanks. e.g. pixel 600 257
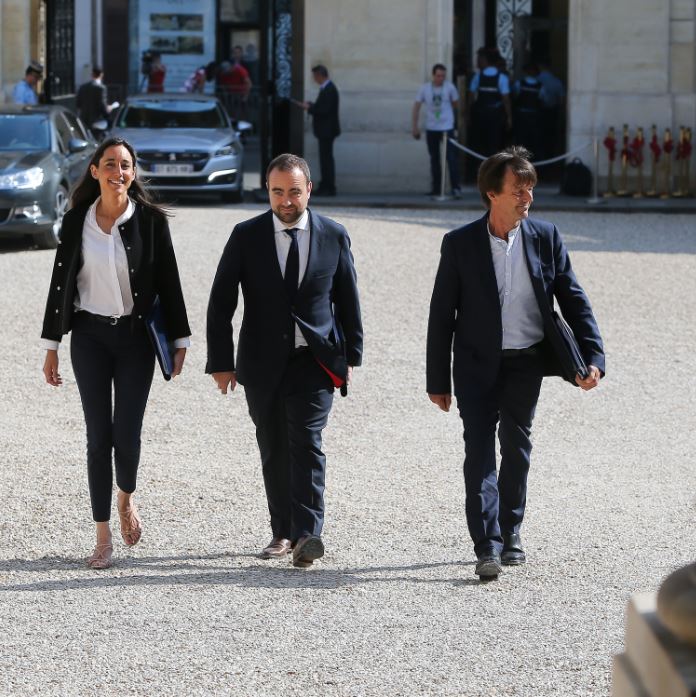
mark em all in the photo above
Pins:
pixel 443 165
pixel 595 194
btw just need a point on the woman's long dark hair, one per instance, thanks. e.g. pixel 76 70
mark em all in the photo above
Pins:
pixel 87 190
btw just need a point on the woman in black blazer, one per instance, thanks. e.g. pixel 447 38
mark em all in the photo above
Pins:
pixel 115 256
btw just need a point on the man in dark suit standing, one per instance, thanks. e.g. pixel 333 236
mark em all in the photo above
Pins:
pixel 326 128
pixel 491 307
pixel 91 102
pixel 301 336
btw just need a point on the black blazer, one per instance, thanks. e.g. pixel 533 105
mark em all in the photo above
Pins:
pixel 326 307
pixel 324 113
pixel 91 103
pixel 152 264
pixel 465 306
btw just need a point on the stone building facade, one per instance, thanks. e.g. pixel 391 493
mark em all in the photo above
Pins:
pixel 625 61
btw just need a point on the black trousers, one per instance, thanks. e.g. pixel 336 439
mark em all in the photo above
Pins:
pixel 495 505
pixel 289 424
pixel 327 166
pixel 108 359
pixel 489 130
pixel 434 141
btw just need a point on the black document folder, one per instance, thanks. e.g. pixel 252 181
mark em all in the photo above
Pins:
pixel 164 348
pixel 567 351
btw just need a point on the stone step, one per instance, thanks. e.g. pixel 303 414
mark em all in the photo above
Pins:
pixel 665 666
pixel 624 679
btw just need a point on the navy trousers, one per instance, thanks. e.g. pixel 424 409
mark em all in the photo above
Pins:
pixel 289 423
pixel 327 166
pixel 495 505
pixel 434 141
pixel 108 359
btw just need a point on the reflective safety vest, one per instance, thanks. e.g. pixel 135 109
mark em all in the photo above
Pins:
pixel 528 98
pixel 489 94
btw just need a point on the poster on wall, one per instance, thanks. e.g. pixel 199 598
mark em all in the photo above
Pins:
pixel 182 32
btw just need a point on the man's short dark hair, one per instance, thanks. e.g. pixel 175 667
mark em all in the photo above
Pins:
pixel 321 70
pixel 97 71
pixel 492 171
pixel 438 66
pixel 34 68
pixel 286 163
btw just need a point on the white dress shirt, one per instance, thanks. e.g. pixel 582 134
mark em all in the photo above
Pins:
pixel 282 242
pixel 103 281
pixel 520 316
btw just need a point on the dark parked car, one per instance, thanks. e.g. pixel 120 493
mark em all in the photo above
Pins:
pixel 44 150
pixel 185 143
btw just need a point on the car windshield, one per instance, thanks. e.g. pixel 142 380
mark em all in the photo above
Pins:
pixel 24 132
pixel 172 114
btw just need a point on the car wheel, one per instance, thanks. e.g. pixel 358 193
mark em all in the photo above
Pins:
pixel 233 196
pixel 48 239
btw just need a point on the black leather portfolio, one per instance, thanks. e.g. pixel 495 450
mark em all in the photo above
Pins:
pixel 164 348
pixel 567 351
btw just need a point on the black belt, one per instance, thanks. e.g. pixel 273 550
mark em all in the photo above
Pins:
pixel 103 319
pixel 529 351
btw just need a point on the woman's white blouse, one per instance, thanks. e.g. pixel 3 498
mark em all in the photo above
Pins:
pixel 103 284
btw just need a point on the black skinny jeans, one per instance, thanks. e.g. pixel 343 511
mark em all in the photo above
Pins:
pixel 106 356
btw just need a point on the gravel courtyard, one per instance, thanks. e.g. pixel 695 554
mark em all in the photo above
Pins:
pixel 394 608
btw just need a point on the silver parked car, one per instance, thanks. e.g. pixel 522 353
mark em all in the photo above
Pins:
pixel 44 150
pixel 185 143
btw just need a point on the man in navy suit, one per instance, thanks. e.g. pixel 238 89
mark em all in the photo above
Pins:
pixel 326 127
pixel 300 337
pixel 491 309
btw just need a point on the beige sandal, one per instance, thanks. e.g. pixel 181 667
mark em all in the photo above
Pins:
pixel 101 557
pixel 131 527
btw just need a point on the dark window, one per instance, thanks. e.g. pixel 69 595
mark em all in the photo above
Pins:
pixel 75 126
pixel 64 132
pixel 60 30
pixel 20 132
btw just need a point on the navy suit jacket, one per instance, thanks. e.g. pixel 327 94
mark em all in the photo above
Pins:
pixel 326 307
pixel 91 103
pixel 324 111
pixel 465 318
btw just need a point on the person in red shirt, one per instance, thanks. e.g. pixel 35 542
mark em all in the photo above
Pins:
pixel 158 71
pixel 235 84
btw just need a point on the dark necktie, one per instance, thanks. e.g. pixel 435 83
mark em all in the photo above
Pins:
pixel 292 266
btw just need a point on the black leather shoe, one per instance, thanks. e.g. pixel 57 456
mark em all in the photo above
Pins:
pixel 513 552
pixel 488 566
pixel 306 550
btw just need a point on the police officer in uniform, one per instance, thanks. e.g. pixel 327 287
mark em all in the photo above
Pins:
pixel 489 94
pixel 527 109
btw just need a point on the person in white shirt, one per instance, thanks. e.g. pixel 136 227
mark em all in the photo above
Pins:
pixel 441 100
pixel 114 258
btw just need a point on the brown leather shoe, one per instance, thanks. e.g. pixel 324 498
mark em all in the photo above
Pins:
pixel 306 550
pixel 278 547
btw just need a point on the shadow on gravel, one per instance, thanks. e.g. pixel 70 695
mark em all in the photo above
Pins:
pixel 18 245
pixel 261 575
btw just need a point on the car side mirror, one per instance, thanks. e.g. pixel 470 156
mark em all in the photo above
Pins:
pixel 77 145
pixel 243 127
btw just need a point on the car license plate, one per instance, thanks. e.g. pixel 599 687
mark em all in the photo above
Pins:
pixel 172 169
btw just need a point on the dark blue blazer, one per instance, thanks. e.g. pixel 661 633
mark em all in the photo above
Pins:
pixel 465 318
pixel 326 307
pixel 324 111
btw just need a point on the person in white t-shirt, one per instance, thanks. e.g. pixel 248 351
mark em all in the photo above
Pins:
pixel 441 99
